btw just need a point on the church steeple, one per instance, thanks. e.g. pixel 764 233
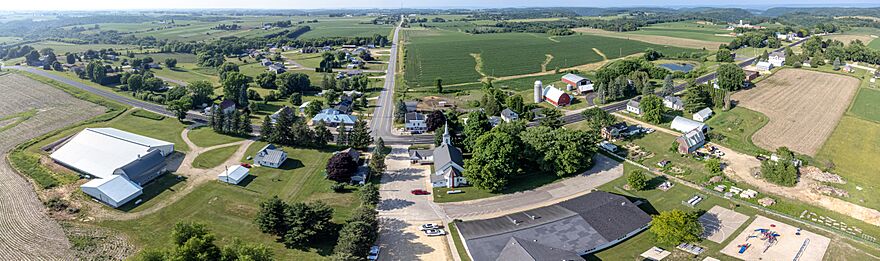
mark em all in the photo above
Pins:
pixel 447 139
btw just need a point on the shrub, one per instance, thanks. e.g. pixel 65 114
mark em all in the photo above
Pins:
pixel 337 187
pixel 637 180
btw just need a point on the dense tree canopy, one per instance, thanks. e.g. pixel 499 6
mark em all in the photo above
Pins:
pixel 675 226
pixel 560 151
pixel 494 161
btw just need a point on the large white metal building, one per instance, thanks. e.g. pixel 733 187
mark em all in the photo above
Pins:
pixel 120 162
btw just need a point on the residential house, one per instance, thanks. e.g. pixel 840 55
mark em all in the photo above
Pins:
pixel 578 82
pixel 411 106
pixel 633 106
pixel 284 109
pixel 563 231
pixel 353 153
pixel 777 58
pixel 448 164
pixel 277 68
pixel 270 156
pixel 690 141
pixel 613 131
pixel 703 115
pixel 421 157
pixel 764 66
pixel 415 123
pixel 508 115
pixel 265 62
pixel 334 118
pixel 673 102
pixel 495 121
pixel 685 125
pixel 556 96
pixel 233 174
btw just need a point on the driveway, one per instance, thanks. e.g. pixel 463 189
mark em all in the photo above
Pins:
pixel 604 170
pixel 401 212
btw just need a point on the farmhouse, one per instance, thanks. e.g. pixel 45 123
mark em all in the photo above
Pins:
pixel 673 102
pixel 448 164
pixel 234 174
pixel 633 106
pixel 508 115
pixel 415 122
pixel 777 58
pixel 764 66
pixel 703 115
pixel 563 231
pixel 277 68
pixel 685 125
pixel 270 156
pixel 334 118
pixel 751 75
pixel 120 162
pixel 556 96
pixel 579 82
pixel 613 131
pixel 690 141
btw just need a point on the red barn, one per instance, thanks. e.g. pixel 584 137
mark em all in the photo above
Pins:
pixel 556 96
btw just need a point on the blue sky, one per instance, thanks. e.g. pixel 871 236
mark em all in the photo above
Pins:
pixel 336 4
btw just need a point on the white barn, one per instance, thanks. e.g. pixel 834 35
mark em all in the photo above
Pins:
pixel 120 162
pixel 233 174
pixel 703 115
pixel 684 125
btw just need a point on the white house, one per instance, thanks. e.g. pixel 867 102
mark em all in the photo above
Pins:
pixel 673 102
pixel 703 115
pixel 448 164
pixel 270 156
pixel 764 66
pixel 120 162
pixel 777 58
pixel 233 174
pixel 685 125
pixel 415 123
pixel 633 106
pixel 508 115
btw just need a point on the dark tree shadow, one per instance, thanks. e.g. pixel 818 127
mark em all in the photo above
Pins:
pixel 399 244
pixel 394 203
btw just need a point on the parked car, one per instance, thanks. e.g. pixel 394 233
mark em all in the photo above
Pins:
pixel 663 163
pixel 420 192
pixel 761 157
pixel 374 253
pixel 430 226
pixel 246 165
pixel 435 232
pixel 649 130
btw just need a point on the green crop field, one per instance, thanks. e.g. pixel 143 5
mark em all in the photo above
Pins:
pixel 687 30
pixel 345 27
pixel 61 48
pixel 432 54
pixel 865 105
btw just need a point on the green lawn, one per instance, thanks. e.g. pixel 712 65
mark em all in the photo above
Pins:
pixel 207 137
pixel 213 158
pixel 737 127
pixel 866 105
pixel 517 184
pixel 854 150
pixel 434 53
pixel 311 60
pixel 229 210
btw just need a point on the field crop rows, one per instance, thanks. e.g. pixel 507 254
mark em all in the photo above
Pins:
pixel 687 30
pixel 332 27
pixel 433 54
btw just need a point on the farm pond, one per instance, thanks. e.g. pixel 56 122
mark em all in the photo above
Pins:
pixel 684 67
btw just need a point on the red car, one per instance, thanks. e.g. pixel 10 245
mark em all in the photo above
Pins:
pixel 246 165
pixel 420 192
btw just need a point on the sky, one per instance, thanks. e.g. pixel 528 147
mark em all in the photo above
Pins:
pixel 349 4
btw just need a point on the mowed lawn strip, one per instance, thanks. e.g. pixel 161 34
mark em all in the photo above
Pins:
pixel 207 137
pixel 737 126
pixel 213 158
pixel 229 210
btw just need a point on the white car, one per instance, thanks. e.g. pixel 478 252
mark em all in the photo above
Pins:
pixel 430 226
pixel 374 253
pixel 435 232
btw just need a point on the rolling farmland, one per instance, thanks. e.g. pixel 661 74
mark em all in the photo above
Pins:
pixel 345 27
pixel 432 54
pixel 687 30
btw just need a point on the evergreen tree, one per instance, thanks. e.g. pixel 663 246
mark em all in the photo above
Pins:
pixel 399 111
pixel 360 135
pixel 245 124
pixel 668 85
pixel 695 98
pixel 322 134
pixel 267 129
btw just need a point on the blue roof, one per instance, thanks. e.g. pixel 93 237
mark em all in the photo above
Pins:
pixel 334 116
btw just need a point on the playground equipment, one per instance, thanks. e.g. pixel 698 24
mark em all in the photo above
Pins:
pixel 801 251
pixel 744 247
pixel 769 236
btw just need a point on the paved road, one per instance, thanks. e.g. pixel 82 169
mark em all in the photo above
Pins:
pixel 383 118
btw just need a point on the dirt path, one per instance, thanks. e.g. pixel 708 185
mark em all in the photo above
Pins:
pixel 600 53
pixel 553 40
pixel 26 232
pixel 479 64
pixel 653 39
pixel 582 68
pixel 194 176
pixel 740 168
pixel 546 62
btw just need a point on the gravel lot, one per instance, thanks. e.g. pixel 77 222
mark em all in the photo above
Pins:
pixel 26 232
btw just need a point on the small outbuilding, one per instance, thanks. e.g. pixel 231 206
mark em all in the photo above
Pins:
pixel 703 115
pixel 579 82
pixel 233 174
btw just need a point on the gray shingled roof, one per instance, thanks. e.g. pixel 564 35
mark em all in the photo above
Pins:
pixel 446 153
pixel 144 169
pixel 576 225
pixel 507 113
pixel 420 153
pixel 518 249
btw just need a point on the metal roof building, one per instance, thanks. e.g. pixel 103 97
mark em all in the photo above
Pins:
pixel 233 174
pixel 120 161
pixel 270 156
pixel 685 125
pixel 566 230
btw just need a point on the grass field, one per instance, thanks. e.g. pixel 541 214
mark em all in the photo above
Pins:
pixel 864 34
pixel 341 27
pixel 687 30
pixel 854 148
pixel 214 158
pixel 866 104
pixel 459 58
pixel 229 210
pixel 206 137
pixel 737 126
pixel 61 48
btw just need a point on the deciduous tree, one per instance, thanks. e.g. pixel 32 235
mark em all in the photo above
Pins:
pixel 341 167
pixel 494 161
pixel 652 108
pixel 675 226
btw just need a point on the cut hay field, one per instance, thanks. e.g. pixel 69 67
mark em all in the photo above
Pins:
pixel 864 34
pixel 459 58
pixel 866 105
pixel 345 27
pixel 803 107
